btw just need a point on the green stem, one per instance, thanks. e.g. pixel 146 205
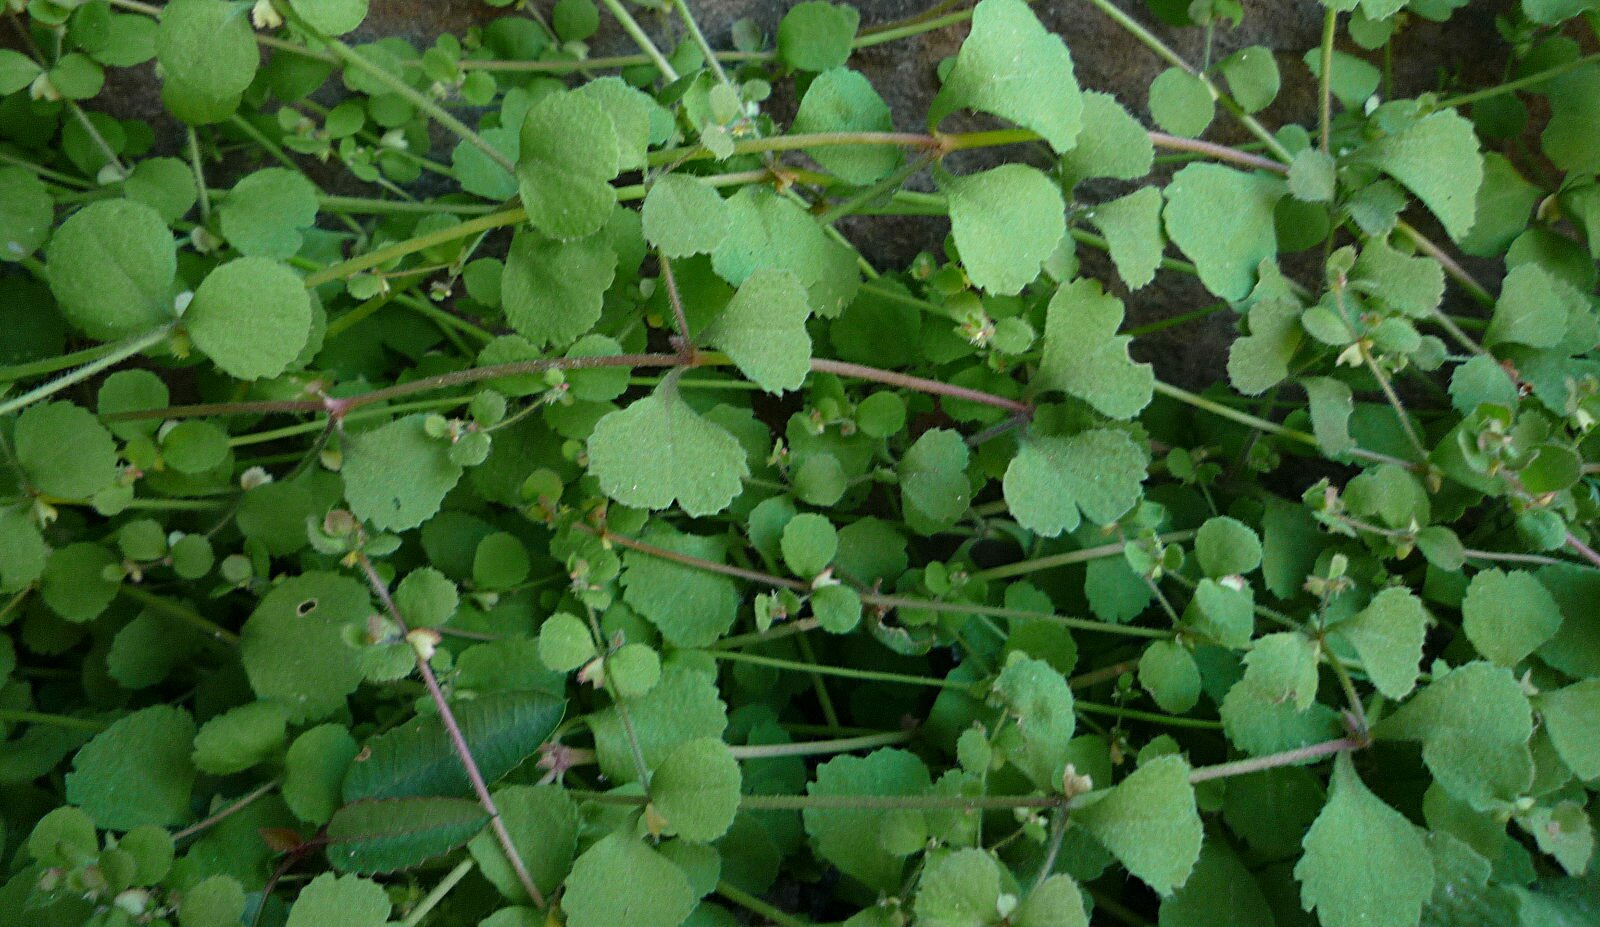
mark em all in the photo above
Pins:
pixel 1538 77
pixel 183 613
pixel 756 906
pixel 700 40
pixel 234 807
pixel 195 165
pixel 1036 564
pixel 116 355
pixel 641 39
pixel 438 893
pixel 842 672
pixel 1330 23
pixel 1131 714
pixel 21 716
pixel 1274 760
pixel 822 747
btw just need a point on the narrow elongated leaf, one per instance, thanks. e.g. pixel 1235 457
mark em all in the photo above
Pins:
pixel 387 835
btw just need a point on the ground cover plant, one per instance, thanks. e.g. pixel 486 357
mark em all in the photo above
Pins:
pixel 600 539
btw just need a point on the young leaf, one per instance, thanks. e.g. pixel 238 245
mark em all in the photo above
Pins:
pixel 1508 615
pixel 1113 143
pixel 1011 67
pixel 696 789
pixel 214 902
pixel 841 100
pixel 620 880
pixel 657 451
pixel 1006 221
pixel 1167 671
pixel 1227 246
pixel 1365 865
pixel 1181 103
pixel 397 475
pixel 331 17
pixel 266 212
pixel 26 210
pixel 816 35
pixel 111 267
pixel 1149 822
pixel 137 771
pixel 208 44
pixel 763 329
pixel 1054 902
pixel 1132 227
pixel 314 769
pixel 240 738
pixel 767 231
pixel 386 835
pixel 1038 696
pixel 568 156
pixel 1227 547
pixel 682 706
pixel 1252 75
pixel 809 544
pixel 565 642
pixel 1260 360
pixel 1387 636
pixel 1084 357
pixel 543 823
pixel 933 480
pixel 552 290
pixel 251 316
pixel 1332 404
pixel 684 215
pixel 1098 472
pixel 959 889
pixel 348 901
pixel 417 758
pixel 1436 158
pixel 293 646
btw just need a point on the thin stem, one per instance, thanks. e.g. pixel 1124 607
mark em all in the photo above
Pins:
pixel 195 165
pixel 1095 708
pixel 1353 698
pixel 1394 403
pixel 822 747
pixel 187 615
pixel 1538 77
pixel 787 629
pixel 641 39
pixel 1273 428
pixel 1274 760
pixel 1583 550
pixel 457 740
pixel 843 672
pixel 1070 557
pixel 438 893
pixel 686 345
pixel 116 356
pixel 1330 23
pixel 1459 274
pixel 756 906
pixel 234 807
pixel 995 611
pixel 830 714
pixel 1217 152
pixel 22 716
pixel 920 384
pixel 700 40
pixel 1103 674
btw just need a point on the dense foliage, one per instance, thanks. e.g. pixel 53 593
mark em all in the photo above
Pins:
pixel 604 541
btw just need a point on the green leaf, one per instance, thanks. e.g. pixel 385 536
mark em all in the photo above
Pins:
pixel 1413 285
pixel 65 451
pixel 696 789
pixel 552 290
pixel 1167 671
pixel 314 770
pixel 1331 406
pixel 1568 138
pixel 1038 696
pixel 682 706
pixel 1252 75
pixel 345 901
pixel 1312 176
pixel 23 554
pixel 63 837
pixel 1221 892
pixel 841 100
pixel 1388 636
pixel 386 835
pixel 543 823
pixel 397 475
pixel 75 583
pixel 1572 718
pixel 137 771
pixel 959 889
pixel 933 481
pixel 1149 822
pixel 1227 246
pixel 1504 203
pixel 1098 472
pixel 1365 865
pixel 692 607
pixel 1132 227
pixel 1010 66
pixel 194 447
pixel 501 729
pixel 240 738
pixel 426 598
pixel 620 880
pixel 215 902
pixel 763 329
pixel 331 17
pixel 1084 357
pixel 1054 902
pixel 1508 615
pixel 837 608
pixel 251 316
pixel 565 642
pixel 1533 309
pixel 1181 103
pixel 1260 360
pixel 568 156
pixel 1474 724
pixel 266 213
pixel 208 44
pixel 848 837
pixel 816 35
pixel 500 562
pixel 293 646
pixel 1006 221
pixel 767 231
pixel 809 544
pixel 1113 143
pixel 1227 547
pixel 1272 709
pixel 26 210
pixel 16 71
pixel 1437 159
pixel 657 452
pixel 684 215
pixel 111 266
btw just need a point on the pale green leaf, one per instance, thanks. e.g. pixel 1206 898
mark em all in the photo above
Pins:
pixel 314 770
pixel 251 316
pixel 1098 472
pixel 1508 615
pixel 1006 221
pixel 1572 717
pixel 340 901
pixel 568 156
pixel 1011 67
pixel 1227 547
pixel 657 451
pixel 111 266
pixel 397 475
pixel 767 230
pixel 1437 159
pixel 1084 357
pixel 137 771
pixel 692 607
pixel 847 837
pixel 1150 823
pixel 1226 245
pixel 293 646
pixel 696 789
pixel 620 880
pixel 543 823
pixel 265 214
pixel 552 290
pixel 933 480
pixel 1132 227
pixel 684 215
pixel 1167 671
pixel 841 100
pixel 1331 406
pixel 1474 724
pixel 1181 103
pixel 959 889
pixel 1388 636
pixel 763 329
pixel 1113 143
pixel 64 450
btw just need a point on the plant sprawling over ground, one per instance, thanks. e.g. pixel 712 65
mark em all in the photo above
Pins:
pixel 605 541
